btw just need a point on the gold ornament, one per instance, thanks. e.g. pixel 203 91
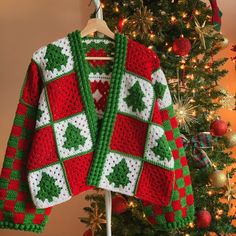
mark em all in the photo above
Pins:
pixel 203 30
pixel 218 178
pixel 185 112
pixel 223 43
pixel 95 219
pixel 231 137
pixel 141 22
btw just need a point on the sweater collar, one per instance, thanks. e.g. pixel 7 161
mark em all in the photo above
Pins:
pixel 100 140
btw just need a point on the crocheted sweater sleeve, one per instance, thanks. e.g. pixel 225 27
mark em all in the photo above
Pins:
pixel 17 210
pixel 180 210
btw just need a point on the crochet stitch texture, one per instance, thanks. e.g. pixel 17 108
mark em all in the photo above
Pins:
pixel 81 124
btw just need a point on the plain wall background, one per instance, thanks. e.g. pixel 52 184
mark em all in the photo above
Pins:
pixel 25 26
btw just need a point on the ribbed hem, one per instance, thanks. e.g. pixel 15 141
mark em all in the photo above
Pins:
pixel 22 227
pixel 177 224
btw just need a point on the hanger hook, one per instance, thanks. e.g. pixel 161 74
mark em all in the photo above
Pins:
pixel 99 13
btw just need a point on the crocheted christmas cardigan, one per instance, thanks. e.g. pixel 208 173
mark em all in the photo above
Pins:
pixel 81 124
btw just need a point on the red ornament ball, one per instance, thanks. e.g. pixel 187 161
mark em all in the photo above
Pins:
pixel 121 23
pixel 119 204
pixel 88 233
pixel 181 46
pixel 203 219
pixel 218 128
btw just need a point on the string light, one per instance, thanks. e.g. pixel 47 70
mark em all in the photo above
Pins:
pixel 134 34
pixel 191 225
pixel 217 217
pixel 184 14
pixel 131 204
pixel 210 193
pixel 169 49
pixel 152 35
pixel 220 211
pixel 117 9
pixel 194 60
pixel 188 25
pixel 182 67
pixel 173 19
pixel 150 47
pixel 102 5
pixel 197 12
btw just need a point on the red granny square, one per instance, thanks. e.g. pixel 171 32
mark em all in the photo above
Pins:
pixel 155 184
pixel 77 171
pixel 64 97
pixel 129 135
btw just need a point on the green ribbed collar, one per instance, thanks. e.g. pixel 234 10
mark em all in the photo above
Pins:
pixel 101 140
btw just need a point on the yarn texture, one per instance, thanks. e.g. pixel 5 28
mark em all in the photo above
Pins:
pixel 83 123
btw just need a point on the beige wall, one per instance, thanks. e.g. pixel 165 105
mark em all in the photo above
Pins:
pixel 25 26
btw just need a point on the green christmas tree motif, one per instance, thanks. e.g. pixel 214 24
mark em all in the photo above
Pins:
pixel 135 98
pixel 119 174
pixel 39 114
pixel 48 188
pixel 159 89
pixel 73 137
pixel 55 57
pixel 162 149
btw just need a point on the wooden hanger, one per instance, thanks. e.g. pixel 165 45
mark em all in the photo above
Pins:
pixel 97 25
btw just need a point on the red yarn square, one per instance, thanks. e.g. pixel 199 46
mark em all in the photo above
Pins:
pixel 21 109
pixel 129 135
pixel 6 173
pixel 9 205
pixel 182 191
pixel 16 130
pixel 10 152
pixel 38 219
pixel 155 184
pixel 77 171
pixel 176 205
pixel 190 199
pixel 19 218
pixel 43 151
pixel 64 97
pixel 14 185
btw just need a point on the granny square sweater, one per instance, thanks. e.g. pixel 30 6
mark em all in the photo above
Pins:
pixel 81 124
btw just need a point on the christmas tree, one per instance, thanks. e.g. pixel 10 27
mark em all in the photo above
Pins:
pixel 48 188
pixel 135 98
pixel 119 174
pixel 55 58
pixel 73 137
pixel 185 36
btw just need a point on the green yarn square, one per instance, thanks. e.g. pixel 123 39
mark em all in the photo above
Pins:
pixel 176 133
pixel 13 142
pixel 185 171
pixel 1 204
pixel 26 133
pixel 180 183
pixel 20 154
pixel 175 195
pixel 15 174
pixel 178 214
pixel 8 216
pixel 11 195
pixel 161 219
pixel 148 210
pixel 178 164
pixel 167 125
pixel 183 202
pixel 181 152
pixel 29 219
pixel 19 120
pixel 189 190
pixel 8 163
pixel 172 145
pixel 4 183
pixel 20 207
